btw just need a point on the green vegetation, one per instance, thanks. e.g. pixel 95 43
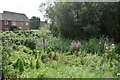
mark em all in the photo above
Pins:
pixel 82 41
pixel 35 22
pixel 53 57
pixel 85 20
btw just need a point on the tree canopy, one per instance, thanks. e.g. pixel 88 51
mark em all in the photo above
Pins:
pixel 35 22
pixel 85 20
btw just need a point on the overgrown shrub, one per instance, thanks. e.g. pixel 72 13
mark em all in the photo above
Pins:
pixel 61 45
pixel 31 64
pixel 54 30
pixel 93 46
pixel 25 49
pixel 117 48
pixel 19 64
pixel 43 56
pixel 30 43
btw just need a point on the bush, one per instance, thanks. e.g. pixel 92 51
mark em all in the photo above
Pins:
pixel 19 64
pixel 36 52
pixel 93 46
pixel 117 48
pixel 54 30
pixel 30 43
pixel 43 33
pixel 15 47
pixel 16 64
pixel 17 40
pixel 31 64
pixel 25 49
pixel 43 56
pixel 61 45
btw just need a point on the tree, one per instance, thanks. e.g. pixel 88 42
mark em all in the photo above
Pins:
pixel 71 19
pixel 85 20
pixel 110 20
pixel 34 22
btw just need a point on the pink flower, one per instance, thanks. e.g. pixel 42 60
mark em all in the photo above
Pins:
pixel 75 45
pixel 78 44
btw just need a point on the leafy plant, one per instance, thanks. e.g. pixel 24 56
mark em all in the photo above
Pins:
pixel 19 64
pixel 37 64
pixel 31 64
pixel 30 43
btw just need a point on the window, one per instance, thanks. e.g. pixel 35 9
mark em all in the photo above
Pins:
pixel 6 22
pixel 27 23
pixel 13 23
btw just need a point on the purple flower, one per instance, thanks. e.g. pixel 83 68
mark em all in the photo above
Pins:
pixel 75 45
pixel 78 44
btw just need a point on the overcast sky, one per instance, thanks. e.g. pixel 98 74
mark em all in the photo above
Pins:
pixel 28 7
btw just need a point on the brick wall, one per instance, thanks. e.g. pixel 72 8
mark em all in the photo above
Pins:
pixel 6 26
pixel 22 25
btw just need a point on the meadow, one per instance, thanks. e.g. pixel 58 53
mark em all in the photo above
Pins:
pixel 37 54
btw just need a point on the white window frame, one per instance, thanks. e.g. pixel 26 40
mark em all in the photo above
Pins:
pixel 13 23
pixel 5 22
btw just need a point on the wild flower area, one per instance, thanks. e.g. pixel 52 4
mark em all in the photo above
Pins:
pixel 38 54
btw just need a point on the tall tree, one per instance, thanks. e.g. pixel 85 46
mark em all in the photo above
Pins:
pixel 86 20
pixel 34 22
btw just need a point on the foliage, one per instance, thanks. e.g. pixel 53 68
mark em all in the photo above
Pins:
pixel 118 48
pixel 56 44
pixel 55 30
pixel 19 64
pixel 31 64
pixel 25 49
pixel 85 20
pixel 55 60
pixel 37 64
pixel 94 46
pixel 34 22
pixel 30 43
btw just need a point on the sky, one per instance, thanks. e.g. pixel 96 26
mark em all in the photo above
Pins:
pixel 28 7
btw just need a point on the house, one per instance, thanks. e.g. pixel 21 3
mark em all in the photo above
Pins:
pixel 0 21
pixel 12 21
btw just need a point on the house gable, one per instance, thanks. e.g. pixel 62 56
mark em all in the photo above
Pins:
pixel 9 18
pixel 0 21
